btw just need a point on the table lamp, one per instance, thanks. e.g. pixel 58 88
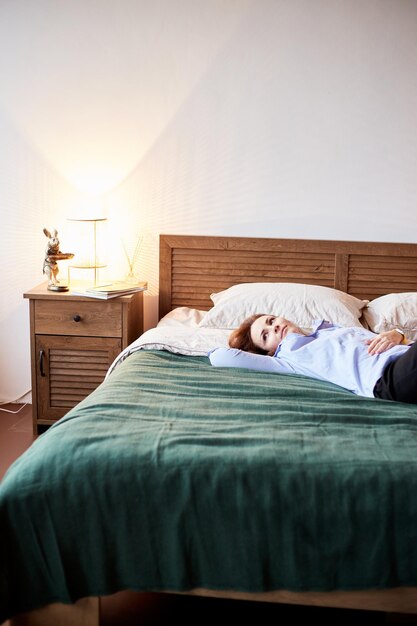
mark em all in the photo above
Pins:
pixel 88 244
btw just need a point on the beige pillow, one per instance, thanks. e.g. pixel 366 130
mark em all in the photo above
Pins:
pixel 300 303
pixel 395 310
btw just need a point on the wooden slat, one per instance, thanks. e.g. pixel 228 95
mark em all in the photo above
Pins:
pixel 63 382
pixel 58 397
pixel 386 258
pixel 86 379
pixel 187 256
pixel 376 263
pixel 253 257
pixel 68 404
pixel 79 353
pixel 397 272
pixel 386 285
pixel 87 358
pixel 63 368
pixel 72 391
pixel 256 272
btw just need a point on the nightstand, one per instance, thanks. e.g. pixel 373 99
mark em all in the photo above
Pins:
pixel 74 340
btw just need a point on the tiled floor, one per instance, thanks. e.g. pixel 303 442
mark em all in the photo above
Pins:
pixel 153 609
pixel 15 434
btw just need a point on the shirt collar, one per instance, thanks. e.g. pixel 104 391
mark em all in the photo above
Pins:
pixel 316 325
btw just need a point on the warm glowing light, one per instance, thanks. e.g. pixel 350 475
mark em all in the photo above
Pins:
pixel 87 223
pixel 95 179
pixel 90 250
pixel 88 208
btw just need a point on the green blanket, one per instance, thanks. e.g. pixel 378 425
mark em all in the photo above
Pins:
pixel 174 475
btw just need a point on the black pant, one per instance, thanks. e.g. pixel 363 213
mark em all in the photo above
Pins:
pixel 399 379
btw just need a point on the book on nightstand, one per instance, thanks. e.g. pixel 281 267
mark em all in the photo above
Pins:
pixel 110 290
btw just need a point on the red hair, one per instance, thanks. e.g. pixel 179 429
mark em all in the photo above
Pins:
pixel 241 337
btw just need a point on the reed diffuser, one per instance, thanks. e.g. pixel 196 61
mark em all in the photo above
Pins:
pixel 132 250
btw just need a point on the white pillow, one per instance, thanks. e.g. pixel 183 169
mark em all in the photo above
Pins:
pixel 395 310
pixel 182 316
pixel 299 303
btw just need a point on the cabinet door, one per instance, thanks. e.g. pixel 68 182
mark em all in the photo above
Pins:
pixel 68 369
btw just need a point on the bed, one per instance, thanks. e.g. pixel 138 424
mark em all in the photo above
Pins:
pixel 178 477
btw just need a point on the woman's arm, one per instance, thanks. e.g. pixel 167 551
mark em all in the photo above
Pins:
pixel 231 357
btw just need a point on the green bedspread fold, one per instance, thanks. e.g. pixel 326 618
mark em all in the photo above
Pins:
pixel 174 475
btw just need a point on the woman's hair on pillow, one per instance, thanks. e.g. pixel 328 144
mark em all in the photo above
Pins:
pixel 301 303
pixel 241 337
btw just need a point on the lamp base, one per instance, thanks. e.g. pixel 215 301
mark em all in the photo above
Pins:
pixel 58 288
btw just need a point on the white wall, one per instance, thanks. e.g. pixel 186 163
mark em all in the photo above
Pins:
pixel 303 125
pixel 32 196
pixel 245 117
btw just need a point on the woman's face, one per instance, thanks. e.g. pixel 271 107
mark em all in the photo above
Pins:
pixel 268 331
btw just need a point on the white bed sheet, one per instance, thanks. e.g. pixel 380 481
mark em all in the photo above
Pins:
pixel 178 332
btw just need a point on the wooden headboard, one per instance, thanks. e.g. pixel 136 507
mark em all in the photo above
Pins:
pixel 193 267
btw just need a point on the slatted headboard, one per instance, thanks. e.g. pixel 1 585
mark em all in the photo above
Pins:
pixel 193 267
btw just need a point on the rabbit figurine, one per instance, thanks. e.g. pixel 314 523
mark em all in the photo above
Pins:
pixel 50 263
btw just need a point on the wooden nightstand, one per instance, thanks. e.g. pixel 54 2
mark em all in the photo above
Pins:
pixel 73 342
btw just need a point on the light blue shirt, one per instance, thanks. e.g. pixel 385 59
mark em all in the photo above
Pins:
pixel 333 353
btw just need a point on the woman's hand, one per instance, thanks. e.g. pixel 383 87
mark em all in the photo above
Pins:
pixel 384 341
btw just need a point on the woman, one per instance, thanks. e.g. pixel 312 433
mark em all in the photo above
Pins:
pixel 367 364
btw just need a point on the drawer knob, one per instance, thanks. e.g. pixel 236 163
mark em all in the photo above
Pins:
pixel 77 318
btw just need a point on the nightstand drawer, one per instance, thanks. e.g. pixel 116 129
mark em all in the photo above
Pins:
pixel 92 319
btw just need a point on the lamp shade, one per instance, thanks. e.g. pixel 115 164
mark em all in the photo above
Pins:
pixel 89 244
